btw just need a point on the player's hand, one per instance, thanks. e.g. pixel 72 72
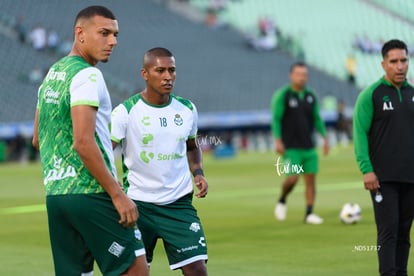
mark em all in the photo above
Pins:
pixel 371 182
pixel 127 210
pixel 280 147
pixel 201 185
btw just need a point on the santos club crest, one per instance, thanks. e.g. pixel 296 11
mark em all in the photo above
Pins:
pixel 178 120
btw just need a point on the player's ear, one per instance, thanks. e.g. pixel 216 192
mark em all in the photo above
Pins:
pixel 144 74
pixel 78 33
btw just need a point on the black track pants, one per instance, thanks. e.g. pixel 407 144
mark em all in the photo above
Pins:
pixel 393 217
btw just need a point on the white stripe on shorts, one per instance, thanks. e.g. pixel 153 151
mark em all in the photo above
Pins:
pixel 139 252
pixel 188 261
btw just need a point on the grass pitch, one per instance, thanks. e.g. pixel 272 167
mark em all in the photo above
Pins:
pixel 243 237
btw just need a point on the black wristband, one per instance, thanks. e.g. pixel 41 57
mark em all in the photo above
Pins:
pixel 198 172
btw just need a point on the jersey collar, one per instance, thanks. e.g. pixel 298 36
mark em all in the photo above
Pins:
pixel 384 81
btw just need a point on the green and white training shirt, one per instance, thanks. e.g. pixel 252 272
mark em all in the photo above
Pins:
pixel 70 82
pixel 154 147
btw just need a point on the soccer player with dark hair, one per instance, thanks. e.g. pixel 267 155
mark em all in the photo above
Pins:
pixel 157 130
pixel 90 217
pixel 295 116
pixel 382 126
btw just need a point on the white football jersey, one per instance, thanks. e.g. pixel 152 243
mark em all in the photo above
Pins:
pixel 154 148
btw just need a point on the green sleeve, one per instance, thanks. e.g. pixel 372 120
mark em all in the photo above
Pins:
pixel 319 123
pixel 363 114
pixel 278 108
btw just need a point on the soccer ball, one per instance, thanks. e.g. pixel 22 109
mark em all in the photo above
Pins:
pixel 350 213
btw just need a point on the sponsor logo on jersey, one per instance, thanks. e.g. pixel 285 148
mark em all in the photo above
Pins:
pixel 178 120
pixel 116 249
pixel 53 75
pixel 171 156
pixel 148 156
pixel 202 241
pixel 58 172
pixel 195 227
pixel 147 138
pixel 146 121
pixel 51 96
pixel 189 248
pixel 92 77
pixel 293 103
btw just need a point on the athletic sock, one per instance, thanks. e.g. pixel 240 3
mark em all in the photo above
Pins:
pixel 309 210
pixel 282 200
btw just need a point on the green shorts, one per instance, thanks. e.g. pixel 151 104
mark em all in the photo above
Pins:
pixel 299 161
pixel 84 227
pixel 178 225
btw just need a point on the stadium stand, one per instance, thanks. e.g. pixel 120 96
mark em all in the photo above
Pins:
pixel 215 69
pixel 326 28
pixel 401 8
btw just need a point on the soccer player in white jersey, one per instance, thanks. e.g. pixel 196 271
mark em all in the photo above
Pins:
pixel 89 215
pixel 157 131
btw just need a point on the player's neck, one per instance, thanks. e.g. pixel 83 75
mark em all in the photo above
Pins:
pixel 155 98
pixel 297 88
pixel 397 85
pixel 77 51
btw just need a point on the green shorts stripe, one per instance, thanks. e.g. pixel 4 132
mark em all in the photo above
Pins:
pixel 84 227
pixel 178 225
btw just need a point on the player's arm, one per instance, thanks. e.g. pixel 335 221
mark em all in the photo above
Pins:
pixel 320 127
pixel 119 124
pixel 84 124
pixel 278 108
pixel 363 114
pixel 194 156
pixel 35 140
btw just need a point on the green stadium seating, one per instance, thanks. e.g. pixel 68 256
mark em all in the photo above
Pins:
pixel 327 28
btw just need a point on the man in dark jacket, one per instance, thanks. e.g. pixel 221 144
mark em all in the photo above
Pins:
pixel 383 130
